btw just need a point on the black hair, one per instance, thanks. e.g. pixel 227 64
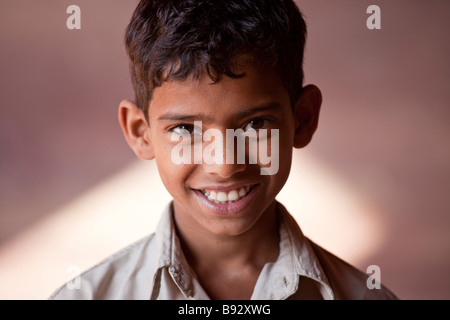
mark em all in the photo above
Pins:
pixel 174 39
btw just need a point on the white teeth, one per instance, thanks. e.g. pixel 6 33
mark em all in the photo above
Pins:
pixel 233 195
pixel 222 196
pixel 226 197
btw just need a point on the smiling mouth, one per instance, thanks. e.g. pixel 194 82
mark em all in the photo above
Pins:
pixel 227 197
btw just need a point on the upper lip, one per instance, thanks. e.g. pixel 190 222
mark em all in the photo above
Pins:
pixel 226 188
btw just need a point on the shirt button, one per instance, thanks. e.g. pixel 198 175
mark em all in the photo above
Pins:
pixel 283 282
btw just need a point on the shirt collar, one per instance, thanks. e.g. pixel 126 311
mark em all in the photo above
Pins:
pixel 296 251
pixel 170 254
pixel 296 258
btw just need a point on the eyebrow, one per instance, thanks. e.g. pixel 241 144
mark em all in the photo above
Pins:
pixel 261 108
pixel 171 116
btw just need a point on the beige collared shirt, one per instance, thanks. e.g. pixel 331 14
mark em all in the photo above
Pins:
pixel 155 268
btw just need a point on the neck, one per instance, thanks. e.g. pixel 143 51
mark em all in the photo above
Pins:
pixel 254 247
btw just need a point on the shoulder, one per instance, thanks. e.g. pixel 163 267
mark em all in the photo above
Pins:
pixel 347 281
pixel 117 276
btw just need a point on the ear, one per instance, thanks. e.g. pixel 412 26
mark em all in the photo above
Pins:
pixel 306 114
pixel 135 129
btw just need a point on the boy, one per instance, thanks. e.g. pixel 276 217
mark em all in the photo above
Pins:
pixel 234 69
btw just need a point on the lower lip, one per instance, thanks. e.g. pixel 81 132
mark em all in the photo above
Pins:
pixel 228 208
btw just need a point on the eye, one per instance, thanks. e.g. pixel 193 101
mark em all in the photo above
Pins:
pixel 258 123
pixel 185 129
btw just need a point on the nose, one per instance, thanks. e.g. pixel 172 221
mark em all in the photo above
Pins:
pixel 224 170
pixel 225 163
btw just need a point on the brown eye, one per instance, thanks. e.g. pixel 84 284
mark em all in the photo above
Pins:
pixel 255 124
pixel 186 129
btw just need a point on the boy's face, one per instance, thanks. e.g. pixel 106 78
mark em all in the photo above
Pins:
pixel 256 101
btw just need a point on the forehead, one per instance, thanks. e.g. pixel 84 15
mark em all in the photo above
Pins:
pixel 258 86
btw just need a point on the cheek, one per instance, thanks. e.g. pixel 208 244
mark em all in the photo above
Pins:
pixel 172 175
pixel 284 157
pixel 276 153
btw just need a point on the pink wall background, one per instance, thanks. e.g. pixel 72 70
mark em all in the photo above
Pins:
pixel 385 121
